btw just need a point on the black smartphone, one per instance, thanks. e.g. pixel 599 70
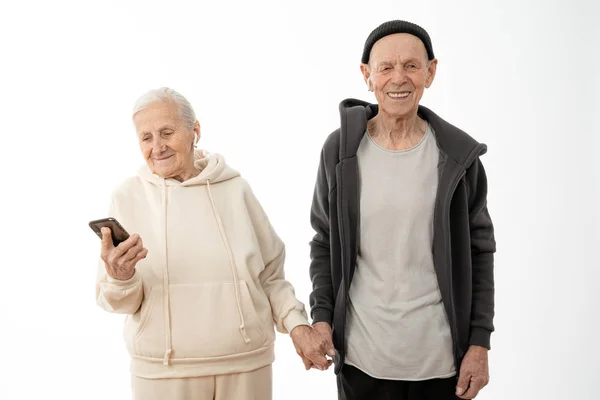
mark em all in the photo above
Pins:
pixel 118 233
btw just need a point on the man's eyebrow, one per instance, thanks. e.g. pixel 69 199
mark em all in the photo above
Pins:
pixel 382 64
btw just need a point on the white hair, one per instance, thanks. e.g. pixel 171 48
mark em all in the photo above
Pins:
pixel 167 95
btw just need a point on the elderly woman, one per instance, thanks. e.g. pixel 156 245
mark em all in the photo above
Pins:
pixel 201 277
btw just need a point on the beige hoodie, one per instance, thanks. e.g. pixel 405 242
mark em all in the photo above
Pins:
pixel 205 299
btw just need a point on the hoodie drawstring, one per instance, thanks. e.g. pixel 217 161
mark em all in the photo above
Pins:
pixel 166 285
pixel 231 264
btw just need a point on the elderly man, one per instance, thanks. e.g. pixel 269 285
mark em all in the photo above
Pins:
pixel 402 259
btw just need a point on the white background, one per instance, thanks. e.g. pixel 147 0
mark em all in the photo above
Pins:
pixel 266 79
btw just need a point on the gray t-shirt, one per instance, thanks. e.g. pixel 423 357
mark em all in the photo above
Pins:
pixel 397 325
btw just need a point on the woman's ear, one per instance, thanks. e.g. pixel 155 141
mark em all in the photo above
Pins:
pixel 196 133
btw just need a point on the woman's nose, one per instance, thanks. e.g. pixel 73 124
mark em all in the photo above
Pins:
pixel 158 146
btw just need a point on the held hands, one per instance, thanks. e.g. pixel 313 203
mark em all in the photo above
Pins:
pixel 120 261
pixel 313 344
pixel 474 373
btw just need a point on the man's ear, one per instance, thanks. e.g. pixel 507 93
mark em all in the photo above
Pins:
pixel 364 68
pixel 431 70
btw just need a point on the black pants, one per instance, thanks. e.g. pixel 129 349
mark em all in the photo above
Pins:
pixel 353 384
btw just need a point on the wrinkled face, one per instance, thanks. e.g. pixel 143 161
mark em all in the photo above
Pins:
pixel 398 73
pixel 166 142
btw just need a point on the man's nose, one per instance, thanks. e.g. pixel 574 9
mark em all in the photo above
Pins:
pixel 399 76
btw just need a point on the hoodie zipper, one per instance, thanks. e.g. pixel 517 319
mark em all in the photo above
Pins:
pixel 448 239
pixel 345 239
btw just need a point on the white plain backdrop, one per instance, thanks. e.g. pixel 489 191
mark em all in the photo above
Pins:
pixel 265 78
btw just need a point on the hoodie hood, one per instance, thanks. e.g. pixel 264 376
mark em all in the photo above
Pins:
pixel 452 141
pixel 212 167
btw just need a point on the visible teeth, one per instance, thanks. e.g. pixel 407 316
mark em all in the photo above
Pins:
pixel 399 95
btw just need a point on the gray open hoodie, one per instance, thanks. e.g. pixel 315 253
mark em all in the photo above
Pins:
pixel 463 244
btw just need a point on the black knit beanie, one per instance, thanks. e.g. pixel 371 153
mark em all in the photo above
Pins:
pixel 397 26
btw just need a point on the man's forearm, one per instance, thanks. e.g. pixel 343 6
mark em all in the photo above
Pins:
pixel 321 298
pixel 482 310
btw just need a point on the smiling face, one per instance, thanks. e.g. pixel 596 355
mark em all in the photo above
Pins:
pixel 166 142
pixel 398 73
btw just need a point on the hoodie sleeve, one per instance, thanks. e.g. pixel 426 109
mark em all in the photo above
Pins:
pixel 483 247
pixel 113 295
pixel 288 312
pixel 322 297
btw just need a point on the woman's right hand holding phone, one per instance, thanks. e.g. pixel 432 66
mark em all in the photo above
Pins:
pixel 120 261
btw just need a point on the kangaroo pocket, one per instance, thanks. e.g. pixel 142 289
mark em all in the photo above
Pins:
pixel 205 321
pixel 145 330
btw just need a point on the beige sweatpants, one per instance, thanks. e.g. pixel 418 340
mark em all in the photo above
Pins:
pixel 253 385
